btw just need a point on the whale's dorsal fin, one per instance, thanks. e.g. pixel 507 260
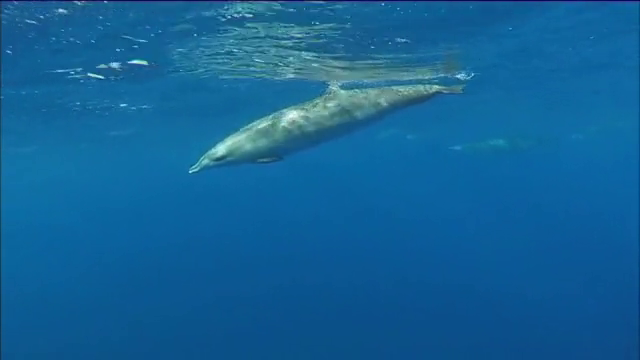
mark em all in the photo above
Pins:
pixel 334 86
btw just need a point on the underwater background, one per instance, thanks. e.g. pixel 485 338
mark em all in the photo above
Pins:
pixel 497 224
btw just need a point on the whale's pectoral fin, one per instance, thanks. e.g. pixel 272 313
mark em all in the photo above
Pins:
pixel 268 160
pixel 454 89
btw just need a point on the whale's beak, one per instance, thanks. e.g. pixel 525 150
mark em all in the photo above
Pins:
pixel 194 169
pixel 201 164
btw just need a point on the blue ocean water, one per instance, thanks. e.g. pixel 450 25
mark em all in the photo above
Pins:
pixel 386 244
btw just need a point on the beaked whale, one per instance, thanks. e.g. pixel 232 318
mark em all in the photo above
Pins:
pixel 337 112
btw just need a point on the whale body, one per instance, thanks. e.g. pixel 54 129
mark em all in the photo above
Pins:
pixel 336 113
